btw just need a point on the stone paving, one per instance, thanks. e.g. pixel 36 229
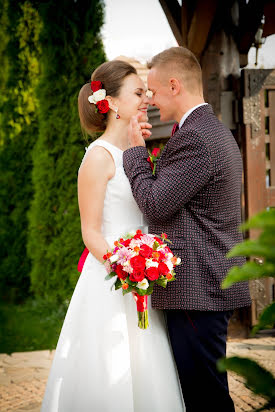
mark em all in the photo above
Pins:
pixel 23 376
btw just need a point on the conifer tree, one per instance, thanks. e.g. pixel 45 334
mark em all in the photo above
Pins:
pixel 19 51
pixel 71 48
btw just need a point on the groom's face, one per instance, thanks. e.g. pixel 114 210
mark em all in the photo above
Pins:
pixel 161 93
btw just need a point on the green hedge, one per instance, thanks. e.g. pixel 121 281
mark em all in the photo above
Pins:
pixel 19 51
pixel 71 48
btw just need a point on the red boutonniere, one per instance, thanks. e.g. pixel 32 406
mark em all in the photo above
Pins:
pixel 153 157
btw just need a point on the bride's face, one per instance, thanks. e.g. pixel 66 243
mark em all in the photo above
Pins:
pixel 132 98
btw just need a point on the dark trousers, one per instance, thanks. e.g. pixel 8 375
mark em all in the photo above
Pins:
pixel 198 340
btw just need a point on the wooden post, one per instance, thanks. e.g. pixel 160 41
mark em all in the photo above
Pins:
pixel 219 62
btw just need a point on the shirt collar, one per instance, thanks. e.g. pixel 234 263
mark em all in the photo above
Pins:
pixel 184 117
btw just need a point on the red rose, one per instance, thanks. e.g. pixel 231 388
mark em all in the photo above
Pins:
pixel 163 269
pixel 127 242
pixel 145 251
pixel 161 255
pixel 96 85
pixel 137 276
pixel 120 272
pixel 158 240
pixel 152 273
pixel 156 151
pixel 137 263
pixel 103 106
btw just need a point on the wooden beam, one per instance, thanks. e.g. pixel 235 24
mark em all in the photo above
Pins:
pixel 249 22
pixel 172 10
pixel 271 196
pixel 271 100
pixel 187 11
pixel 200 25
pixel 269 12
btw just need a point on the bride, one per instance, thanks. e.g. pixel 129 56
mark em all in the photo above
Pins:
pixel 103 361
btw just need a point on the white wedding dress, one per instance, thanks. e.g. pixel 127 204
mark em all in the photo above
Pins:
pixel 103 361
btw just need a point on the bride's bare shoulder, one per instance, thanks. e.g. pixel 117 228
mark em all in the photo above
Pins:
pixel 98 161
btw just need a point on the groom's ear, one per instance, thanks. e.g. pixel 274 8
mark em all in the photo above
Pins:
pixel 174 86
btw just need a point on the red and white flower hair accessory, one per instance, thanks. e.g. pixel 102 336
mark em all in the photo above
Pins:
pixel 98 97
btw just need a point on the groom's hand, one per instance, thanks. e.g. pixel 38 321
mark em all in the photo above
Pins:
pixel 138 131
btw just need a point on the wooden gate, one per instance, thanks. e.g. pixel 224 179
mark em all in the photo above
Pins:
pixel 259 162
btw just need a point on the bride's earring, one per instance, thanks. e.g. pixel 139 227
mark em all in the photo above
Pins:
pixel 117 115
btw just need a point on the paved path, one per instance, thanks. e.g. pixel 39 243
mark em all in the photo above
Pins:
pixel 23 376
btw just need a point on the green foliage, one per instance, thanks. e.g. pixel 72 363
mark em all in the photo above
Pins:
pixel 258 379
pixel 71 48
pixel 18 121
pixel 4 40
pixel 262 250
pixel 267 318
pixel 34 325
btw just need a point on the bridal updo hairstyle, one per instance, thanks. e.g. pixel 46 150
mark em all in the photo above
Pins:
pixel 111 75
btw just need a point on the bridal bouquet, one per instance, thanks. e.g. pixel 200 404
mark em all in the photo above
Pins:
pixel 140 261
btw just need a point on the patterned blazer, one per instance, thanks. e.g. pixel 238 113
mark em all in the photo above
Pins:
pixel 194 198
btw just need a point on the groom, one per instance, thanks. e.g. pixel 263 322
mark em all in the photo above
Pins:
pixel 194 198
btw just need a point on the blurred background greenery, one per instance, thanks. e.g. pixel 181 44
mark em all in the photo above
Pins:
pixel 47 53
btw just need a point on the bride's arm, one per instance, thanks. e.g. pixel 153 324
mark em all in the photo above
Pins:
pixel 93 176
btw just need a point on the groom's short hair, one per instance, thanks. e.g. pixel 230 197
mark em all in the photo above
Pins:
pixel 181 62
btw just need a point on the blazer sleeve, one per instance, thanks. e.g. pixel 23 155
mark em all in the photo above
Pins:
pixel 183 172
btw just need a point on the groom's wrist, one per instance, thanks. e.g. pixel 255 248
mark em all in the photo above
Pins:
pixel 134 153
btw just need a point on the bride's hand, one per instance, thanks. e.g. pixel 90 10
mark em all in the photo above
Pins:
pixel 138 131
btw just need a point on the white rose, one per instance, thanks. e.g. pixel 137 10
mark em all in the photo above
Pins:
pixel 169 265
pixel 114 258
pixel 144 284
pixel 151 264
pixel 99 95
pixel 91 99
pixel 178 261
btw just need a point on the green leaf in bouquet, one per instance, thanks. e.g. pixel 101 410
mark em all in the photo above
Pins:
pixel 267 318
pixel 127 280
pixel 168 241
pixel 125 291
pixel 258 379
pixel 141 292
pixel 150 289
pixel 162 281
pixel 110 275
pixel 155 245
pixel 249 271
pixel 118 284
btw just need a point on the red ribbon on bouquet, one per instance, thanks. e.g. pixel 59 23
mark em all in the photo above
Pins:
pixel 142 309
pixel 82 259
